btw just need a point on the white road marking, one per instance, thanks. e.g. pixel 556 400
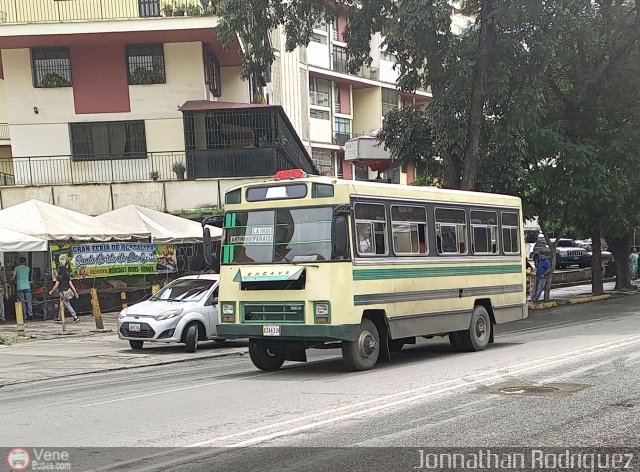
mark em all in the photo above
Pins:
pixel 363 413
pixel 458 384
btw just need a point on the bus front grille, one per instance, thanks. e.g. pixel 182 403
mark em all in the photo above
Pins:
pixel 283 312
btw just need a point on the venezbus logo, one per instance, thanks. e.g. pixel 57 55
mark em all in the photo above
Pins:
pixel 18 459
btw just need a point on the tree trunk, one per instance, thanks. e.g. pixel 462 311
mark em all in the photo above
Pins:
pixel 478 96
pixel 597 287
pixel 620 249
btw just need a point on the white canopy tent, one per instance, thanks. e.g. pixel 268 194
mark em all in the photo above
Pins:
pixel 54 223
pixel 164 228
pixel 13 241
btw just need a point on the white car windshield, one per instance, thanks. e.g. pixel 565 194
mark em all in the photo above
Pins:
pixel 184 290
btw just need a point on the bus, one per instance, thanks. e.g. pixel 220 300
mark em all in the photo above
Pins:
pixel 319 262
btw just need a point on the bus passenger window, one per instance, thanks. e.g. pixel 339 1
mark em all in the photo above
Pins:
pixel 371 229
pixel 408 226
pixel 511 233
pixel 484 230
pixel 451 231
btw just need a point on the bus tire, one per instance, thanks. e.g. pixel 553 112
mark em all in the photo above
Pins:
pixel 266 356
pixel 477 337
pixel 362 354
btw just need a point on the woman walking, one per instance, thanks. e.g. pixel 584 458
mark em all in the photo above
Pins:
pixel 65 287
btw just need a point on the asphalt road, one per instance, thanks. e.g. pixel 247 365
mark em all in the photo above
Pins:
pixel 586 357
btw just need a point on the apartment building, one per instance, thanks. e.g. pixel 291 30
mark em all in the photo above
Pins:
pixel 103 91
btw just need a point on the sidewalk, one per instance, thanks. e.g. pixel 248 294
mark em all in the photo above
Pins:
pixel 574 295
pixel 48 354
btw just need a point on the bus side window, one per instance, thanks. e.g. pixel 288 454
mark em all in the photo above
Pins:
pixel 408 226
pixel 371 229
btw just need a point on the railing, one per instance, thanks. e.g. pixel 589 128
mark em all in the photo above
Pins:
pixel 341 138
pixel 56 11
pixel 4 132
pixel 179 165
pixel 339 62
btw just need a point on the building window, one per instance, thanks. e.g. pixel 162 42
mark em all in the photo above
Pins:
pixel 409 229
pixel 371 229
pixel 484 231
pixel 104 140
pixel 389 100
pixel 319 92
pixel 51 67
pixel 362 173
pixel 212 74
pixel 342 130
pixel 323 160
pixel 145 64
pixel 451 231
pixel 319 114
pixel 510 233
pixel 320 24
pixel 319 38
pixel 385 56
pixel 340 59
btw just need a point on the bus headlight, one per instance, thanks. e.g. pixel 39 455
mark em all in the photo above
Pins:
pixel 322 312
pixel 228 312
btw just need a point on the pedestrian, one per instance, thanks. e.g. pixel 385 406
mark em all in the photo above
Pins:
pixel 65 287
pixel 22 276
pixel 633 263
pixel 542 275
pixel 4 294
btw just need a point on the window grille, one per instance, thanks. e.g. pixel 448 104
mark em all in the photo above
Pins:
pixel 145 64
pixel 51 67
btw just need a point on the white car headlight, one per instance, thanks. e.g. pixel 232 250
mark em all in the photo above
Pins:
pixel 165 315
pixel 123 313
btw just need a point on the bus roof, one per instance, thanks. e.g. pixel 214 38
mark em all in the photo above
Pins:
pixel 384 190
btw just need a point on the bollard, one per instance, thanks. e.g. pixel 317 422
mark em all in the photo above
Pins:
pixel 95 308
pixel 155 288
pixel 62 317
pixel 19 318
pixel 123 297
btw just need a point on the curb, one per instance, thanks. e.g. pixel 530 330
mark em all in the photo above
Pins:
pixel 569 301
pixel 240 352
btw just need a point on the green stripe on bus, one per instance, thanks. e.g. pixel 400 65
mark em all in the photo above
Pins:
pixel 410 273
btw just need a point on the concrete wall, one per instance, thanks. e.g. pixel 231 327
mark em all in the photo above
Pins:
pixel 233 89
pixel 367 110
pixel 321 131
pixel 94 199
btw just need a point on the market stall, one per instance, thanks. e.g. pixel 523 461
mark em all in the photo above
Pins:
pixel 179 240
pixel 62 230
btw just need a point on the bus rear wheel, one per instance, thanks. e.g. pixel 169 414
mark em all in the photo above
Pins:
pixel 266 356
pixel 476 338
pixel 362 354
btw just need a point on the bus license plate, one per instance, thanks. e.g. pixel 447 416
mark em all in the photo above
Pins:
pixel 271 330
pixel 134 327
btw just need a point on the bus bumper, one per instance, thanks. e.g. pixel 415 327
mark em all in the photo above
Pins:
pixel 291 332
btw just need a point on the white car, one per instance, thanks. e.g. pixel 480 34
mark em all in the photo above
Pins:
pixel 185 311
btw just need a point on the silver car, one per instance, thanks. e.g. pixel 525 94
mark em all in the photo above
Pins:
pixel 185 311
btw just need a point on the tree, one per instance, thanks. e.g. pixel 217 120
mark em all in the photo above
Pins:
pixel 429 56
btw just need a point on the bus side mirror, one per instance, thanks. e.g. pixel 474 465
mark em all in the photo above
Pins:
pixel 207 245
pixel 340 232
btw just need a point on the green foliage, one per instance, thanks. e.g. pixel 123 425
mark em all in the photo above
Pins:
pixel 200 213
pixel 53 79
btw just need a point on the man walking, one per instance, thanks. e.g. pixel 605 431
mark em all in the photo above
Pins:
pixel 4 293
pixel 542 274
pixel 22 275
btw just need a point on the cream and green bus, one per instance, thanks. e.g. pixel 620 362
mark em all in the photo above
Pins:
pixel 318 262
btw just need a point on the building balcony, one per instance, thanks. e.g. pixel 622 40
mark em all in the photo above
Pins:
pixel 55 11
pixel 152 166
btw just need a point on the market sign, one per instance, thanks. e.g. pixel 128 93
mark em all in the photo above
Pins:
pixel 107 259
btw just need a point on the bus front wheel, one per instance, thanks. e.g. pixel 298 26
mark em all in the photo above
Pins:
pixel 266 356
pixel 362 354
pixel 476 338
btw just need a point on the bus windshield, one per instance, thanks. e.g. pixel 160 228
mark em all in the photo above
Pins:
pixel 277 236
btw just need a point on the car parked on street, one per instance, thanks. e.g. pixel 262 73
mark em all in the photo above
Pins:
pixel 185 311
pixel 568 253
pixel 607 257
